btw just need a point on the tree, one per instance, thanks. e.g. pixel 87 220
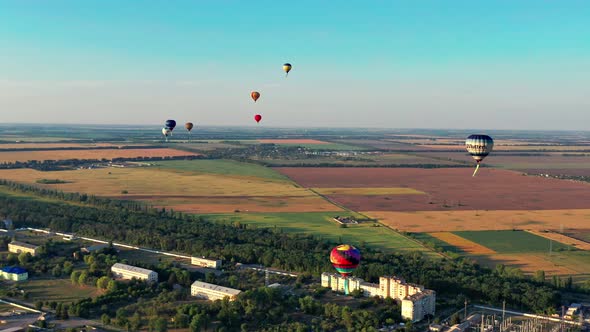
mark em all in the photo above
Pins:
pixel 455 319
pixel 540 276
pixel 23 258
pixel 105 319
pixel 83 278
pixel 161 325
pixel 103 282
pixel 39 305
pixel 112 286
pixel 135 322
pixel 75 277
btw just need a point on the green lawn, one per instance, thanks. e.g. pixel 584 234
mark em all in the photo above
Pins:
pixel 320 225
pixel 60 290
pixel 512 241
pixel 225 167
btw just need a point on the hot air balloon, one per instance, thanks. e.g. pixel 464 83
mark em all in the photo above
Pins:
pixel 345 259
pixel 287 68
pixel 166 132
pixel 479 146
pixel 170 124
pixel 255 95
pixel 189 126
pixel 258 117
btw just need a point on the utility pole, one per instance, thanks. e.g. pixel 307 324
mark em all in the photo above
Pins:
pixel 465 314
pixel 266 277
pixel 503 310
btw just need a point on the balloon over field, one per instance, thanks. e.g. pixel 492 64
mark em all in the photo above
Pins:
pixel 189 126
pixel 345 259
pixel 166 132
pixel 479 147
pixel 170 124
pixel 287 68
pixel 255 95
pixel 258 117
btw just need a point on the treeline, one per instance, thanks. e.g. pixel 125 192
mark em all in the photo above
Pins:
pixel 68 164
pixel 295 252
pixel 303 164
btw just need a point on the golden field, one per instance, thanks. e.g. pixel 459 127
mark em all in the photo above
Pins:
pixel 109 154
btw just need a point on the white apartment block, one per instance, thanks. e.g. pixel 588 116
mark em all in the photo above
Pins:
pixel 124 271
pixel 213 292
pixel 416 302
pixel 205 262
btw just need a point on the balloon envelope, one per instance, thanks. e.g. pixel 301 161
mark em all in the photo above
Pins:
pixel 345 258
pixel 189 126
pixel 255 95
pixel 257 117
pixel 479 146
pixel 170 124
pixel 287 67
pixel 165 132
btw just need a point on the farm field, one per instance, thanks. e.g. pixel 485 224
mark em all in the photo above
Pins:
pixel 573 263
pixel 109 154
pixel 462 244
pixel 206 189
pixel 361 159
pixel 505 242
pixel 6 146
pixel 223 167
pixel 562 238
pixel 294 141
pixel 368 191
pixel 478 220
pixel 60 290
pixel 322 225
pixel 445 188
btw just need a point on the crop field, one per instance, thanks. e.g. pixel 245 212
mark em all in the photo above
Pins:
pixel 505 242
pixel 322 225
pixel 361 159
pixel 23 156
pixel 212 186
pixel 291 141
pixel 223 167
pixel 562 238
pixel 564 263
pixel 46 146
pixel 478 220
pixel 446 189
pixel 368 191
pixel 463 244
pixel 60 290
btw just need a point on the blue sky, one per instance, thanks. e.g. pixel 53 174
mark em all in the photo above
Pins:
pixel 430 64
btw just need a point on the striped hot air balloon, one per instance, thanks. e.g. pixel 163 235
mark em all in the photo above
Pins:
pixel 345 259
pixel 479 147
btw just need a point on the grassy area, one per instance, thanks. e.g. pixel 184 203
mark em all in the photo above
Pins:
pixel 224 167
pixel 60 290
pixel 512 241
pixel 430 241
pixel 321 224
pixel 368 191
pixel 328 146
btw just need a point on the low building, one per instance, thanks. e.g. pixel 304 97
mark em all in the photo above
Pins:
pixel 205 262
pixel 213 292
pixel 14 273
pixel 20 247
pixel 124 271
pixel 416 301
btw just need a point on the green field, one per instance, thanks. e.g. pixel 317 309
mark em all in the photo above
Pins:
pixel 326 147
pixel 60 290
pixel 512 241
pixel 320 224
pixel 224 167
pixel 429 240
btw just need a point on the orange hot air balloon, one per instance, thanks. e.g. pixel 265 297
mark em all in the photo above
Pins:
pixel 255 95
pixel 189 126
pixel 258 117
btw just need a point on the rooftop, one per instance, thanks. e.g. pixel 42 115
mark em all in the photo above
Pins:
pixel 217 288
pixel 131 268
pixel 13 269
pixel 24 245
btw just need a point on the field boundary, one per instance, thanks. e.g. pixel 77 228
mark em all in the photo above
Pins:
pixel 562 238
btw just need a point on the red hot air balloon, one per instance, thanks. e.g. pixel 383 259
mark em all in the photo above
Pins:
pixel 258 117
pixel 255 95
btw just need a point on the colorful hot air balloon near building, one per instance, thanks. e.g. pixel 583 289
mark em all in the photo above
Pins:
pixel 479 147
pixel 287 68
pixel 255 95
pixel 345 259
pixel 257 118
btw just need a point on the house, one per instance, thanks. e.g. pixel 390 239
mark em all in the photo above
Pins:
pixel 14 273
